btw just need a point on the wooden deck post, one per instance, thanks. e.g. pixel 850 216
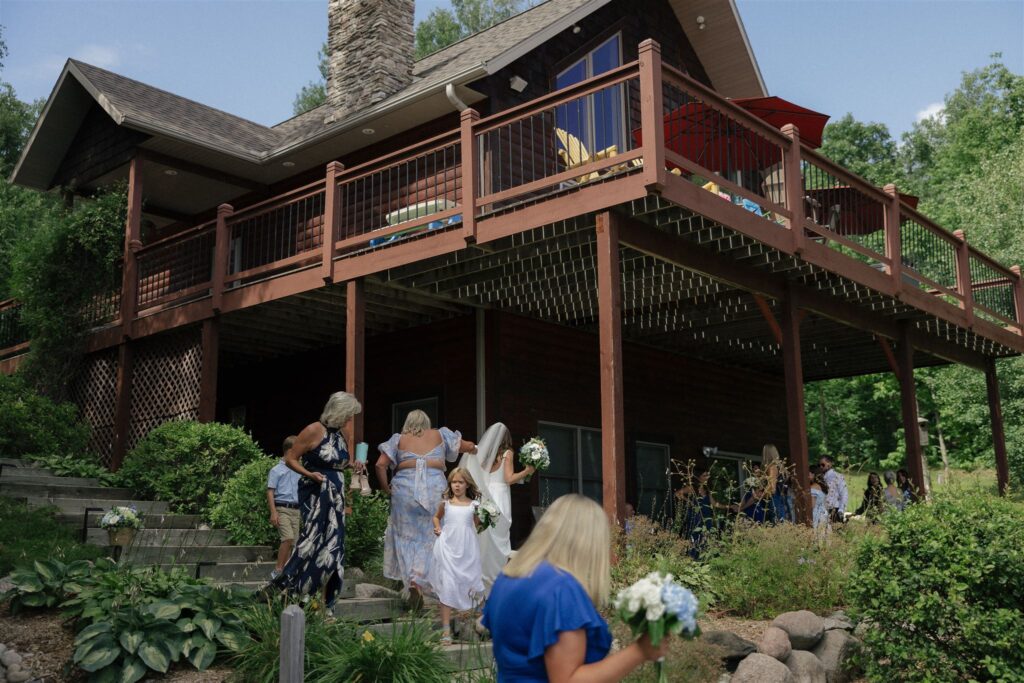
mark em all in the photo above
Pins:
pixel 132 243
pixel 292 645
pixel 470 171
pixel 795 187
pixel 963 275
pixel 893 243
pixel 796 419
pixel 609 305
pixel 1018 296
pixel 221 254
pixel 122 403
pixel 652 114
pixel 908 400
pixel 355 304
pixel 332 219
pixel 995 411
pixel 208 369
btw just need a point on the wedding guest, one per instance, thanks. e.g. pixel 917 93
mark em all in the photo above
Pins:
pixel 873 503
pixel 819 512
pixel 837 494
pixel 775 483
pixel 283 501
pixel 893 495
pixel 756 501
pixel 543 610
pixel 417 459
pixel 906 486
pixel 698 506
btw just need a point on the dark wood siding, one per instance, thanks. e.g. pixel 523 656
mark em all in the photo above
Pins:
pixel 99 147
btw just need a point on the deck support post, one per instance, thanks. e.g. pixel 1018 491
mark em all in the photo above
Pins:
pixel 221 255
pixel 355 323
pixel 794 187
pixel 995 411
pixel 1018 297
pixel 208 370
pixel 470 171
pixel 893 242
pixel 652 114
pixel 795 417
pixel 332 219
pixel 908 400
pixel 481 371
pixel 963 275
pixel 122 403
pixel 609 305
pixel 132 243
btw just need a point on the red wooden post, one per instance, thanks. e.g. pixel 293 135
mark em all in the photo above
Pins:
pixel 332 219
pixel 893 243
pixel 963 275
pixel 132 243
pixel 1018 296
pixel 470 171
pixel 795 417
pixel 908 400
pixel 609 304
pixel 355 304
pixel 208 370
pixel 652 114
pixel 221 254
pixel 123 403
pixel 794 187
pixel 995 411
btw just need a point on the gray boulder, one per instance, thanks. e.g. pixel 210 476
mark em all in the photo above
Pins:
pixel 759 668
pixel 834 652
pixel 831 623
pixel 372 590
pixel 805 667
pixel 804 628
pixel 18 675
pixel 11 659
pixel 736 648
pixel 775 643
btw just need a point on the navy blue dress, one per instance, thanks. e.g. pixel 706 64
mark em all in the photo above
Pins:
pixel 758 512
pixel 525 616
pixel 698 520
pixel 319 554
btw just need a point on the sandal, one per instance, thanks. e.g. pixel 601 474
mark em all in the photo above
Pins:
pixel 446 639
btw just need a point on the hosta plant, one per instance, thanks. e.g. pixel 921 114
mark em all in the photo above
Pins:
pixel 46 584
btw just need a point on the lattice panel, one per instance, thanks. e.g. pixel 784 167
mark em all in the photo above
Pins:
pixel 94 391
pixel 165 381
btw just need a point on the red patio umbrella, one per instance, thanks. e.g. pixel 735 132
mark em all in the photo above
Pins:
pixel 778 112
pixel 848 211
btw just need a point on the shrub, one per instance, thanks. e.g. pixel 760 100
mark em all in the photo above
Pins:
pixel 364 528
pixel 43 586
pixel 943 589
pixel 75 465
pixel 187 464
pixel 34 425
pixel 241 507
pixel 759 571
pixel 49 538
pixel 407 654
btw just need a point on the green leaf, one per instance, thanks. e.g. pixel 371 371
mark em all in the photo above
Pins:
pixel 154 657
pixel 130 640
pixel 232 639
pixel 202 655
pixel 27 582
pixel 34 600
pixel 49 570
pixel 132 671
pixel 110 674
pixel 185 625
pixel 208 624
pixel 164 610
pixel 99 653
pixel 91 631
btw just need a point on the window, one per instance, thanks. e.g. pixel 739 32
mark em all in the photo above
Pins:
pixel 400 410
pixel 575 461
pixel 598 121
pixel 728 472
pixel 652 484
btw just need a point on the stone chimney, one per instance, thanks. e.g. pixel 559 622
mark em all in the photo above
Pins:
pixel 370 47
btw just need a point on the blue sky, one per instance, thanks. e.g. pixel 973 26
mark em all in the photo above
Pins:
pixel 885 61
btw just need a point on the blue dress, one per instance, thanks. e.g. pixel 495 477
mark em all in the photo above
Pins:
pixel 319 554
pixel 525 616
pixel 415 494
pixel 699 518
pixel 758 512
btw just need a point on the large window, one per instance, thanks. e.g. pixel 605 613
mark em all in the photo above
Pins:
pixel 652 480
pixel 597 121
pixel 575 461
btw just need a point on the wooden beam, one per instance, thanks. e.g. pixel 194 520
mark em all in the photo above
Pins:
pixel 152 209
pixel 132 243
pixel 122 403
pixel 652 114
pixel 908 403
pixel 889 357
pixel 221 254
pixel 769 317
pixel 203 171
pixel 613 440
pixel 332 219
pixel 470 171
pixel 208 373
pixel 355 335
pixel 995 411
pixel 796 420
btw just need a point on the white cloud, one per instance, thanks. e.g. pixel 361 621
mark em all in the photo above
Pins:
pixel 934 109
pixel 103 56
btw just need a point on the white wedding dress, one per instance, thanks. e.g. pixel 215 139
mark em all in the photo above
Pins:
pixel 495 544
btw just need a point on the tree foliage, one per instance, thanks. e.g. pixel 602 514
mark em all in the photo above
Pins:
pixel 444 26
pixel 867 149
pixel 314 93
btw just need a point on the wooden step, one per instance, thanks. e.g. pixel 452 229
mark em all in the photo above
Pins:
pixel 53 489
pixel 166 537
pixel 77 506
pixel 363 610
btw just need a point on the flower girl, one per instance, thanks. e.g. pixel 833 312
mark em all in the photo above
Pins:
pixel 455 573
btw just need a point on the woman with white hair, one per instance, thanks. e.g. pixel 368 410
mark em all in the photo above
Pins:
pixel 320 454
pixel 416 458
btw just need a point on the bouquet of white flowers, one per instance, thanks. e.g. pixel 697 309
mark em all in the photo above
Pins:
pixel 121 517
pixel 656 605
pixel 487 513
pixel 535 453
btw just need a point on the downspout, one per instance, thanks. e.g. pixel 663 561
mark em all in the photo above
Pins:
pixel 449 92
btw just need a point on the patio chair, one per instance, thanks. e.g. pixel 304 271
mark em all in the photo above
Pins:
pixel 574 153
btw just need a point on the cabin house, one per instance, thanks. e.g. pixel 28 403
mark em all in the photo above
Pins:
pixel 572 222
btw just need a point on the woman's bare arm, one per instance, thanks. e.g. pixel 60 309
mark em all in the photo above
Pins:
pixel 564 660
pixel 438 516
pixel 309 438
pixel 511 476
pixel 381 467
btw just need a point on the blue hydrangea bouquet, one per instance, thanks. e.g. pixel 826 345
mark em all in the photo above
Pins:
pixel 657 606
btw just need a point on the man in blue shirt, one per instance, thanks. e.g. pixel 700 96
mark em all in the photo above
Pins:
pixel 283 501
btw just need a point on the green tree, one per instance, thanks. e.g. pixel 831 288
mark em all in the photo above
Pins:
pixel 314 93
pixel 867 149
pixel 444 26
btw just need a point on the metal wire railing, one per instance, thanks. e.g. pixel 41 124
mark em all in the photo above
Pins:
pixel 928 254
pixel 177 269
pixel 274 234
pixel 992 288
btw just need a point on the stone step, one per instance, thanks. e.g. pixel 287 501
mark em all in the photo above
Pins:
pixel 230 554
pixel 238 572
pixel 152 520
pixel 469 656
pixel 364 610
pixel 13 462
pixel 54 489
pixel 26 475
pixel 165 537
pixel 78 505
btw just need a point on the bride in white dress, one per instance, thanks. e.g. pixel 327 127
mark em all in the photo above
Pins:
pixel 493 467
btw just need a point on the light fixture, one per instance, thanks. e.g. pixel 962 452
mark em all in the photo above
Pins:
pixel 576 29
pixel 287 164
pixel 170 171
pixel 517 83
pixel 368 131
pixel 700 22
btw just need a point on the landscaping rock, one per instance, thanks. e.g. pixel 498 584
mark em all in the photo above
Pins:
pixel 831 623
pixel 18 675
pixel 10 659
pixel 804 628
pixel 759 668
pixel 775 643
pixel 834 652
pixel 805 667
pixel 354 574
pixel 372 590
pixel 724 678
pixel 736 648
pixel 861 629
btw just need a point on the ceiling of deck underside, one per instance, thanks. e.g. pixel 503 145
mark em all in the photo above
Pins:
pixel 550 273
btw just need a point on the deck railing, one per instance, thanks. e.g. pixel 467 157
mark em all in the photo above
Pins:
pixel 643 122
pixel 12 332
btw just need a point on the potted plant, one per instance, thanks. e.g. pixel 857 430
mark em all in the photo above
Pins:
pixel 121 523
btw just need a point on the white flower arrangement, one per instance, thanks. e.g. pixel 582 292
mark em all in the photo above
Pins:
pixel 657 606
pixel 487 513
pixel 121 517
pixel 535 453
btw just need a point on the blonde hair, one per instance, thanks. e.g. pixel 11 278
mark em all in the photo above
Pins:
pixel 416 422
pixel 770 454
pixel 472 492
pixel 573 535
pixel 339 409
